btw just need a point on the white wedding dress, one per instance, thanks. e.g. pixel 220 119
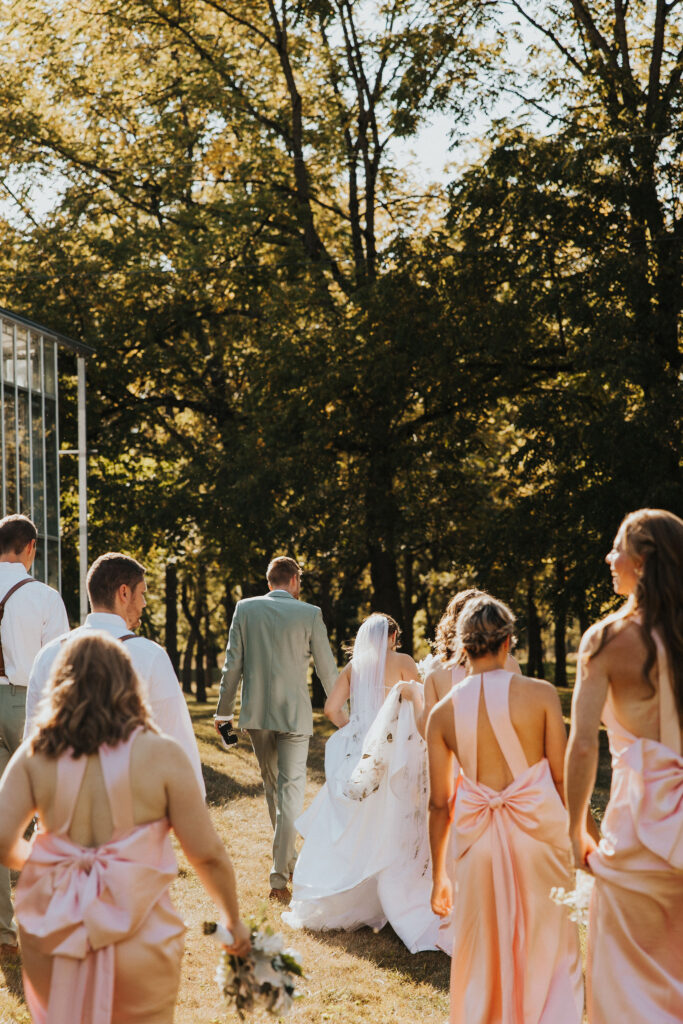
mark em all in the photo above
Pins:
pixel 365 858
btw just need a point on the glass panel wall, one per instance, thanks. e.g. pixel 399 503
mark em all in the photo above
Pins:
pixel 29 436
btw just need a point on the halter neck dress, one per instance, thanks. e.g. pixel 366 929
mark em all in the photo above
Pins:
pixel 516 953
pixel 635 936
pixel 101 941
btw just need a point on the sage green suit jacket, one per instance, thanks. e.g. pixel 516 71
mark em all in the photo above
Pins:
pixel 271 641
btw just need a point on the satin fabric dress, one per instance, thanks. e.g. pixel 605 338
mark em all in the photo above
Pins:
pixel 516 954
pixel 101 941
pixel 635 935
pixel 365 858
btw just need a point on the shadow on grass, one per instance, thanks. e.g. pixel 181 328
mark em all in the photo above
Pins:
pixel 221 787
pixel 384 949
pixel 11 978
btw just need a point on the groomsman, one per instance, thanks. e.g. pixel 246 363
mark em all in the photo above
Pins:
pixel 31 614
pixel 116 589
pixel 272 639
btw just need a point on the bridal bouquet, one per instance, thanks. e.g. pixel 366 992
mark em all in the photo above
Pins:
pixel 265 980
pixel 576 900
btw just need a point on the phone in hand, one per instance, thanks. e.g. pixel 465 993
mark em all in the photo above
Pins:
pixel 227 734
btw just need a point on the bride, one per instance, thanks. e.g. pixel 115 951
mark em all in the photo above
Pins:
pixel 365 858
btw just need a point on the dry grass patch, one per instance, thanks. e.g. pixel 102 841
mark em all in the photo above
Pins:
pixel 354 978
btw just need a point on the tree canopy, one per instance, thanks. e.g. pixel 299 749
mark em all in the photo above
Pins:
pixel 303 347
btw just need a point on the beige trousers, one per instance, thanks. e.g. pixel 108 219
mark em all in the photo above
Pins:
pixel 282 759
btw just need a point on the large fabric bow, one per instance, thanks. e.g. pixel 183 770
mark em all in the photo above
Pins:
pixel 75 903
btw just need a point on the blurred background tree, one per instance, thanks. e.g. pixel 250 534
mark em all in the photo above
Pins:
pixel 302 348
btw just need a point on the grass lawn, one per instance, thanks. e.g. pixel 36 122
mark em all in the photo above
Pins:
pixel 354 978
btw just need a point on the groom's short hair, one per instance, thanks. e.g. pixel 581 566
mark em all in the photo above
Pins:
pixel 281 570
pixel 108 573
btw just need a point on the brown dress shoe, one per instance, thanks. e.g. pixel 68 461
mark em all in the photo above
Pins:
pixel 280 895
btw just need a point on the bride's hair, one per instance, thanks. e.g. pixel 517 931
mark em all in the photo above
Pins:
pixel 393 630
pixel 483 625
pixel 445 645
pixel 656 537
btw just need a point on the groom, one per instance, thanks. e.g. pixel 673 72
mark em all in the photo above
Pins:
pixel 271 641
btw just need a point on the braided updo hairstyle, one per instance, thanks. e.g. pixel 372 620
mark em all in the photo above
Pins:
pixel 483 625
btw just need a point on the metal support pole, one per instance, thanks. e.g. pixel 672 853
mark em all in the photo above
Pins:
pixel 82 489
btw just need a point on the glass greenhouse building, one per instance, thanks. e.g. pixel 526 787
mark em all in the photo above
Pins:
pixel 29 431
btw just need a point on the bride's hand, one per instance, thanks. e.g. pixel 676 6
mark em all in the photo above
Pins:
pixel 410 691
pixel 442 896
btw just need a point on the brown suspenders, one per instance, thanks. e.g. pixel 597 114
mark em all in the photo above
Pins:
pixel 126 636
pixel 9 593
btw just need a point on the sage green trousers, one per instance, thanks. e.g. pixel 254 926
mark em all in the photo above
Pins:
pixel 12 718
pixel 282 759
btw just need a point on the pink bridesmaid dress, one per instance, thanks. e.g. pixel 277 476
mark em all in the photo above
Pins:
pixel 516 956
pixel 101 941
pixel 635 935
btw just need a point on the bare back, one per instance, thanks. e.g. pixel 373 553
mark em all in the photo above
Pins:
pixel 527 706
pixel 92 822
pixel 634 699
pixel 536 717
pixel 398 668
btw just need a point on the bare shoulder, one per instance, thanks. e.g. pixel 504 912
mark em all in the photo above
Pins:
pixel 441 716
pixel 536 691
pixel 155 749
pixel 616 634
pixel 407 666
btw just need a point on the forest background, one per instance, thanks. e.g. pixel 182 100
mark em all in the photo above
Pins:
pixel 304 347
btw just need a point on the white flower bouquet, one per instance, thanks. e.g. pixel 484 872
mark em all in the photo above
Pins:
pixel 265 980
pixel 576 900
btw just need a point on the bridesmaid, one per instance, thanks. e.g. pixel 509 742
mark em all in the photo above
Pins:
pixel 449 663
pixel 100 938
pixel 516 953
pixel 630 675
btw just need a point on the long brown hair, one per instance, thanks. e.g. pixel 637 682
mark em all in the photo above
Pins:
pixel 445 643
pixel 656 537
pixel 94 697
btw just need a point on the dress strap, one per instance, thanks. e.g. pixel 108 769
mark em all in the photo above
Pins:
pixel 465 712
pixel 115 763
pixel 669 726
pixel 497 701
pixel 70 772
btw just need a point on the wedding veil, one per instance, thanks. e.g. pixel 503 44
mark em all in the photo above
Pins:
pixel 367 668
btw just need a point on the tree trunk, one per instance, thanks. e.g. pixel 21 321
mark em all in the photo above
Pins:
pixel 171 632
pixel 535 666
pixel 187 664
pixel 200 614
pixel 381 514
pixel 196 638
pixel 408 643
pixel 560 615
pixel 318 695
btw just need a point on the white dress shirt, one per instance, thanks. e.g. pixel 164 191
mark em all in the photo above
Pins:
pixel 34 615
pixel 152 664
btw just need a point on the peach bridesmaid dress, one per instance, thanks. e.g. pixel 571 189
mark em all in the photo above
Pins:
pixel 516 954
pixel 101 941
pixel 635 935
